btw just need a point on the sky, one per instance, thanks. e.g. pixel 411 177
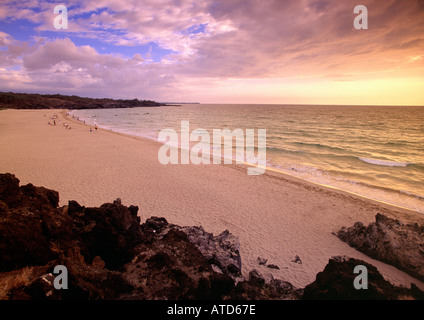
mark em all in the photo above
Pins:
pixel 217 51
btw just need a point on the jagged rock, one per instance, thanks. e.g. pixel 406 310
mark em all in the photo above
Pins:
pixel 9 189
pixel 297 260
pixel 223 250
pixel 108 254
pixel 256 278
pixel 34 198
pixel 336 282
pixel 29 223
pixel 390 241
pixel 171 267
pixel 257 288
pixel 285 290
pixel 152 227
pixel 43 288
pixel 24 283
pixel 110 231
pixel 263 262
pixel 91 281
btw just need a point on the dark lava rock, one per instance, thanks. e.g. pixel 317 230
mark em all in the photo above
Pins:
pixel 390 241
pixel 256 288
pixel 110 231
pixel 336 282
pixel 297 260
pixel 171 267
pixel 106 251
pixel 33 231
pixel 222 251
pixel 35 198
pixel 256 278
pixel 29 223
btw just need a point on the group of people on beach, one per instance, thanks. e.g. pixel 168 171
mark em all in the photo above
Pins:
pixel 83 121
pixel 55 118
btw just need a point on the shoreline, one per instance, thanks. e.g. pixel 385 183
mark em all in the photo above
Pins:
pixel 247 165
pixel 275 216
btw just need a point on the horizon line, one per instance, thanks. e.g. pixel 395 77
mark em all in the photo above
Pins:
pixel 226 103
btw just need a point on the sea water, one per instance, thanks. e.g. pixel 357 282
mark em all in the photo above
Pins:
pixel 374 151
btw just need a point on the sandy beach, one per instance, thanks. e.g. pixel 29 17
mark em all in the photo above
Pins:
pixel 275 216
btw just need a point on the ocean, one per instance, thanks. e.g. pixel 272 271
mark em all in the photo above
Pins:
pixel 373 151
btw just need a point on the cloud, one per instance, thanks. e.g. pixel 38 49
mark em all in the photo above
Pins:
pixel 294 40
pixel 62 66
pixel 13 50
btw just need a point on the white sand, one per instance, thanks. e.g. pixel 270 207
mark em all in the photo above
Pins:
pixel 274 215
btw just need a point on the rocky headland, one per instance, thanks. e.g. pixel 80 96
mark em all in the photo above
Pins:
pixel 11 100
pixel 110 254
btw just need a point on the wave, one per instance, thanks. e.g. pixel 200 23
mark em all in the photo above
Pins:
pixel 354 184
pixel 318 145
pixel 388 189
pixel 335 158
pixel 385 163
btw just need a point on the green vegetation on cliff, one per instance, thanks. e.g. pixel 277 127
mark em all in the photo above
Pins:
pixel 57 101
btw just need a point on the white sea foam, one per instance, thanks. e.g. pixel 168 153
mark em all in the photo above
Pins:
pixel 385 163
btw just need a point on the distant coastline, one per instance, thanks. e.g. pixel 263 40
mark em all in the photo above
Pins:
pixel 11 100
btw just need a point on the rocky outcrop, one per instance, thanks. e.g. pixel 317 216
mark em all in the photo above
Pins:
pixel 190 263
pixel 257 288
pixel 109 254
pixel 33 231
pixel 110 231
pixel 222 251
pixel 390 241
pixel 336 282
pixel 171 267
pixel 28 225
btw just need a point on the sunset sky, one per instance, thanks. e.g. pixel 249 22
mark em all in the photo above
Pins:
pixel 217 51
